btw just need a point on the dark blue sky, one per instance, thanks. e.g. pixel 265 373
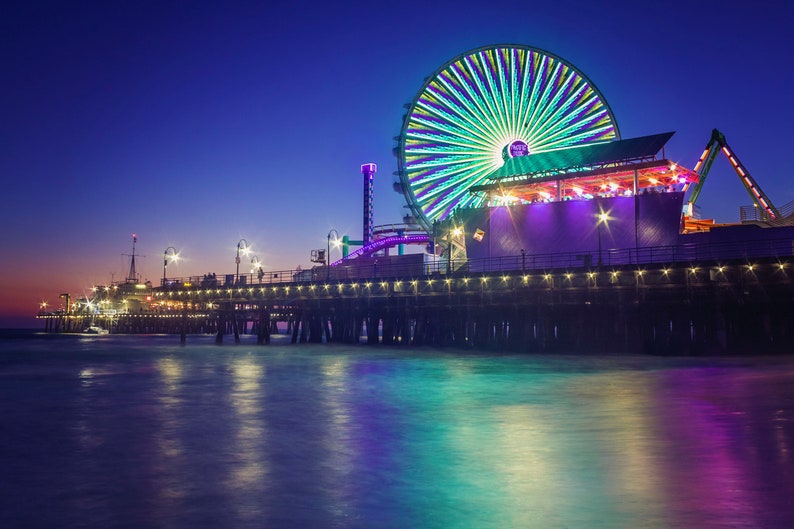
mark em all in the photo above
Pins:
pixel 195 124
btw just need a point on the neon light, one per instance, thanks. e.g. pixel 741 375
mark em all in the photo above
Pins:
pixel 384 243
pixel 487 105
pixel 701 160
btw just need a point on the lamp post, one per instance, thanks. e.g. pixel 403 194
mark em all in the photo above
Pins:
pixel 454 232
pixel 174 256
pixel 256 266
pixel 328 253
pixel 242 245
pixel 602 218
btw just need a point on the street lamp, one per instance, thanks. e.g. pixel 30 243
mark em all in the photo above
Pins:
pixel 242 245
pixel 456 232
pixel 173 256
pixel 602 218
pixel 328 252
pixel 256 266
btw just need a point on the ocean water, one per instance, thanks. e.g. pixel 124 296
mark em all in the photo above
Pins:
pixel 139 432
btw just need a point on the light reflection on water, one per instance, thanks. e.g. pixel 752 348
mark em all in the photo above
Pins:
pixel 138 432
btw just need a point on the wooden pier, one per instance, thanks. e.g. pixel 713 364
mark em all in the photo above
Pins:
pixel 697 307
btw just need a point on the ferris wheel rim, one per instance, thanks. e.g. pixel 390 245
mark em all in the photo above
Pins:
pixel 413 202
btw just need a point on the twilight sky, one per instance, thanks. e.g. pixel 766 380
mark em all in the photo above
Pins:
pixel 196 124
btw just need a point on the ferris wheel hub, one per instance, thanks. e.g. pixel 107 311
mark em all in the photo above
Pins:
pixel 515 148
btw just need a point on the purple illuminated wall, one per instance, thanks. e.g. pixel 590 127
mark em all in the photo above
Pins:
pixel 571 226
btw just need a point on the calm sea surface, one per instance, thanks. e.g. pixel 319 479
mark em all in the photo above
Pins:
pixel 138 432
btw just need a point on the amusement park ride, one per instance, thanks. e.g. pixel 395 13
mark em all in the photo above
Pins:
pixel 717 143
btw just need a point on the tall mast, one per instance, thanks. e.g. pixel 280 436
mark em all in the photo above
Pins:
pixel 132 277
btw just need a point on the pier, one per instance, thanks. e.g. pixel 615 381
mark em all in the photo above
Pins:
pixel 667 300
pixel 569 239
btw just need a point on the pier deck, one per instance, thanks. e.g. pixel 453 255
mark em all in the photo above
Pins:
pixel 631 303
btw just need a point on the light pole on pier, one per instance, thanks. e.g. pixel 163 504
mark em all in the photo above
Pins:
pixel 256 267
pixel 173 256
pixel 328 253
pixel 242 246
pixel 602 218
pixel 452 237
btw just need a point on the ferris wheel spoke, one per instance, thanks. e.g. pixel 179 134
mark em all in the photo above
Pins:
pixel 508 92
pixel 568 123
pixel 515 79
pixel 533 104
pixel 543 108
pixel 566 112
pixel 449 202
pixel 494 92
pixel 458 168
pixel 539 82
pixel 455 125
pixel 458 108
pixel 442 172
pixel 523 70
pixel 440 145
pixel 481 134
pixel 482 94
pixel 487 128
pixel 466 120
pixel 556 110
pixel 443 133
pixel 592 135
pixel 570 134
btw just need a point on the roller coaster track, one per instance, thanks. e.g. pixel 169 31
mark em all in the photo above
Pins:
pixel 389 236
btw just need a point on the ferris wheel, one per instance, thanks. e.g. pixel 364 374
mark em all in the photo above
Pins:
pixel 485 106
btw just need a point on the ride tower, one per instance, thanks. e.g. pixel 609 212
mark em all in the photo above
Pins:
pixel 368 170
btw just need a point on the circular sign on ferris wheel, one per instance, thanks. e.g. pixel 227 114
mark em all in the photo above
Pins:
pixel 518 148
pixel 485 106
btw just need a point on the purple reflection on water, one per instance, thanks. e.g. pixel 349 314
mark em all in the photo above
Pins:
pixel 731 432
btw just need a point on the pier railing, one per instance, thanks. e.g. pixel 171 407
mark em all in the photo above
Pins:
pixel 373 268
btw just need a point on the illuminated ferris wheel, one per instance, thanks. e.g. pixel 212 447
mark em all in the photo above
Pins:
pixel 483 107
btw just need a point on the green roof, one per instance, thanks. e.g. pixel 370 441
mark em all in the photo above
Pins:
pixel 579 158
